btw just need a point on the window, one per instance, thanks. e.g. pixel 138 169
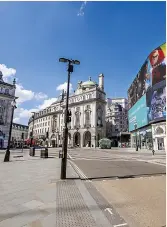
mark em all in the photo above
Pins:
pixel 6 91
pixel 77 117
pixel 87 118
pixel 45 123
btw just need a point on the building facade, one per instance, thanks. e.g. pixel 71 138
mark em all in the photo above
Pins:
pixel 147 103
pixel 7 95
pixel 116 118
pixel 19 134
pixel 88 109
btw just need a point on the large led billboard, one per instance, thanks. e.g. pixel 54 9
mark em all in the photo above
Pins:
pixel 150 85
pixel 138 114
pixel 152 72
pixel 156 102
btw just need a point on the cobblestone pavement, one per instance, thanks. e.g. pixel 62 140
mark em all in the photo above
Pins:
pixel 32 195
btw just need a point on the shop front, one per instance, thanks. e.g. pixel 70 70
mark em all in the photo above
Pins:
pixel 159 136
pixel 142 138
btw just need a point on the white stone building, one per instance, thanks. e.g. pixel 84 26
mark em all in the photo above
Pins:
pixel 116 117
pixel 19 134
pixel 88 107
pixel 7 94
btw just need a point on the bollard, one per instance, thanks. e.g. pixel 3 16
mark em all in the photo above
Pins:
pixel 153 152
pixel 32 151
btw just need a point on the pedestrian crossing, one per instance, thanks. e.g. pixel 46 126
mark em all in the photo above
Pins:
pixel 110 156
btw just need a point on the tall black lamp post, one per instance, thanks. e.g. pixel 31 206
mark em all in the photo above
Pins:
pixel 65 133
pixel 7 154
pixel 32 133
pixel 135 125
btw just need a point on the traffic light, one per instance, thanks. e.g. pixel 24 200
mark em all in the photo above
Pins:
pixel 68 116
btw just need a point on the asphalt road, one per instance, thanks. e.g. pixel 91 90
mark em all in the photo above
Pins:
pixel 98 164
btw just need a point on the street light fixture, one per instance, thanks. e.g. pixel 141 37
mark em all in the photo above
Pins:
pixel 7 154
pixel 65 133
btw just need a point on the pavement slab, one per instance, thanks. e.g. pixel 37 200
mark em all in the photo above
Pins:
pixel 140 201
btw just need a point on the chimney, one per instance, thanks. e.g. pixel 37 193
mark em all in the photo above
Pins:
pixel 101 81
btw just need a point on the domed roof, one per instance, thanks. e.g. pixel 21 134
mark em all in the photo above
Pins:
pixel 88 84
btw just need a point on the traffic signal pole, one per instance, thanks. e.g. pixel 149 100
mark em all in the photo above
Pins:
pixel 65 133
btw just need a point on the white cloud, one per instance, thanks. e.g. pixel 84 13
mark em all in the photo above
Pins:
pixel 7 72
pixel 47 103
pixel 64 87
pixel 16 120
pixel 40 95
pixel 23 94
pixel 81 10
pixel 22 114
pixel 26 95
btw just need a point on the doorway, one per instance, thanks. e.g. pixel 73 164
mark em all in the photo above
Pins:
pixel 160 142
pixel 77 139
pixel 87 139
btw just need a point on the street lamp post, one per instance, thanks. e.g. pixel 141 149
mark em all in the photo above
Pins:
pixel 65 133
pixel 7 154
pixel 32 133
pixel 135 125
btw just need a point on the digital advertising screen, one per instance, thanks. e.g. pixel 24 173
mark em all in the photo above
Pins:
pixel 152 73
pixel 138 114
pixel 156 102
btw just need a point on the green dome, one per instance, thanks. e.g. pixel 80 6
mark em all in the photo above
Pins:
pixel 88 84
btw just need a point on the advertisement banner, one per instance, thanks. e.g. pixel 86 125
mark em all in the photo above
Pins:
pixel 152 72
pixel 138 114
pixel 156 102
pixel 158 65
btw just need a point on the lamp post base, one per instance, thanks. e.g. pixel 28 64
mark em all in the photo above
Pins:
pixel 7 155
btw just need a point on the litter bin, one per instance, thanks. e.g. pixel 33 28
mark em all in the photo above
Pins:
pixel 32 151
pixel 44 152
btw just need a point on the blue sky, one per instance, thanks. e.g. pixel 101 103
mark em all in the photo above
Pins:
pixel 113 38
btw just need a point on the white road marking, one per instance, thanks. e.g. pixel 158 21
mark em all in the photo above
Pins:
pixel 109 210
pixel 70 156
pixel 80 171
pixel 120 225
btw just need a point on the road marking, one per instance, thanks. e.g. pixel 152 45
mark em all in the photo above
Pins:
pixel 120 225
pixel 80 172
pixel 70 156
pixel 109 210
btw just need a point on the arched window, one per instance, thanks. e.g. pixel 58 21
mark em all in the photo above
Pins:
pixel 159 131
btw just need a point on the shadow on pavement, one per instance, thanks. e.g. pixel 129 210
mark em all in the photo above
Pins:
pixel 123 177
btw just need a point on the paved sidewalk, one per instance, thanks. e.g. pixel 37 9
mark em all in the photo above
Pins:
pixel 32 195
